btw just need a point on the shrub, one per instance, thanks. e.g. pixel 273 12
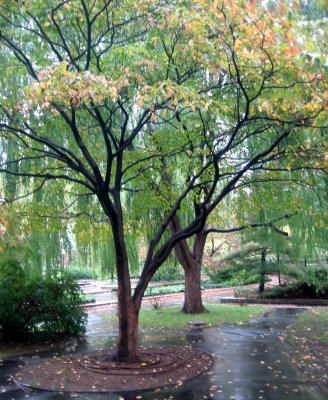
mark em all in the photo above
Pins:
pixel 233 276
pixel 157 302
pixel 316 278
pixel 79 273
pixel 37 304
pixel 298 290
pixel 87 299
pixel 242 295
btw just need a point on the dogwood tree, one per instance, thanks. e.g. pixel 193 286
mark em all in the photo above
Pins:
pixel 89 88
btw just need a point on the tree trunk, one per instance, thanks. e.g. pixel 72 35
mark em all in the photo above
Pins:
pixel 128 312
pixel 191 262
pixel 193 303
pixel 262 272
pixel 279 273
pixel 127 344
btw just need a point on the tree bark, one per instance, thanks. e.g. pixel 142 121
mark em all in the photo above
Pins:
pixel 128 312
pixel 279 272
pixel 191 262
pixel 193 303
pixel 262 271
pixel 127 343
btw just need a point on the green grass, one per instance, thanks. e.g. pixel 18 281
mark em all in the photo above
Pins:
pixel 307 346
pixel 171 318
pixel 313 324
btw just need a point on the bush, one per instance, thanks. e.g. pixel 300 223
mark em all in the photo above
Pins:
pixel 311 283
pixel 87 299
pixel 316 278
pixel 233 276
pixel 79 273
pixel 298 290
pixel 37 304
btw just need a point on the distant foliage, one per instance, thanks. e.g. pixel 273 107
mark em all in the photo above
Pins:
pixel 310 283
pixel 234 276
pixel 37 304
pixel 316 277
pixel 83 273
pixel 169 272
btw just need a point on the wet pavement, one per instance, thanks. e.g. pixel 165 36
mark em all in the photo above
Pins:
pixel 250 362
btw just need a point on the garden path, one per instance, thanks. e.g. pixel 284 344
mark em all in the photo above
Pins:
pixel 250 362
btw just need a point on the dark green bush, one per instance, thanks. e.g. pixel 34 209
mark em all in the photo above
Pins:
pixel 37 304
pixel 79 273
pixel 311 283
pixel 233 276
pixel 298 290
pixel 87 299
pixel 316 277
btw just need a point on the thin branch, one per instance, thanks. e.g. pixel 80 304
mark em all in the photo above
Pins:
pixel 269 224
pixel 49 177
pixel 8 201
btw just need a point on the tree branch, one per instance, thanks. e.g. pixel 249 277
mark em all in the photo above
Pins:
pixel 269 224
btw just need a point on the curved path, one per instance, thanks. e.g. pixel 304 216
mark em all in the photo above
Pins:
pixel 250 362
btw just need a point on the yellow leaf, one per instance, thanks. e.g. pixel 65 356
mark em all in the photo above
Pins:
pixel 153 117
pixel 140 102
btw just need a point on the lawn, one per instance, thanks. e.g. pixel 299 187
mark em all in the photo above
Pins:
pixel 307 341
pixel 313 325
pixel 172 318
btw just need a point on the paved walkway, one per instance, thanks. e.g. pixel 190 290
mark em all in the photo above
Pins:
pixel 250 362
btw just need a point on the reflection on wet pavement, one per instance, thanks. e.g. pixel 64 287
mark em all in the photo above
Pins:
pixel 250 362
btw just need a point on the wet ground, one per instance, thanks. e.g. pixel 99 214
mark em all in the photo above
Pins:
pixel 250 362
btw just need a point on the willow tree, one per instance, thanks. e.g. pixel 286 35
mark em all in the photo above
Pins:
pixel 295 166
pixel 98 81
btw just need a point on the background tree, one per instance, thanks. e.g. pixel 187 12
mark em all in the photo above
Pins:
pixel 84 84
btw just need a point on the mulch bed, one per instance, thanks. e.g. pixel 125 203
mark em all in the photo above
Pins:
pixel 96 372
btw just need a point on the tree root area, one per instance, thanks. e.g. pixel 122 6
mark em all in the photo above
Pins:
pixel 97 372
